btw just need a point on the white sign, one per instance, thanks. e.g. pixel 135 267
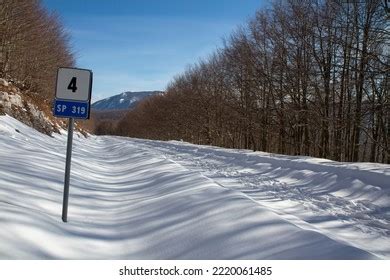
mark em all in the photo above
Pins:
pixel 74 84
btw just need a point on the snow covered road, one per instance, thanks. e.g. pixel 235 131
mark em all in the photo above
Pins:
pixel 139 199
pixel 348 202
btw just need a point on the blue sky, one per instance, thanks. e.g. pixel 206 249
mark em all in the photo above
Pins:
pixel 135 45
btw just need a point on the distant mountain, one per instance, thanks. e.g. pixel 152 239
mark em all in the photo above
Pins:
pixel 123 101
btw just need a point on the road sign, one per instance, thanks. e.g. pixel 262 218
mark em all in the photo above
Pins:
pixel 73 93
pixel 71 109
pixel 73 100
pixel 74 84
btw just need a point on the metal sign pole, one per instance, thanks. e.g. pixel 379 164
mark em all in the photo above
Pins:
pixel 67 171
pixel 73 101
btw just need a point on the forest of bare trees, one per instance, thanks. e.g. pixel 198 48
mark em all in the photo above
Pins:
pixel 33 44
pixel 300 78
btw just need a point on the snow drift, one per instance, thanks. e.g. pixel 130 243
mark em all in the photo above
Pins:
pixel 139 199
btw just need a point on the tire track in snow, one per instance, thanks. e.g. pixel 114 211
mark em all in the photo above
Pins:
pixel 240 172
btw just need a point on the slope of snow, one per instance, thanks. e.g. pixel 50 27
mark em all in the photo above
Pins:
pixel 349 202
pixel 27 107
pixel 125 100
pixel 138 199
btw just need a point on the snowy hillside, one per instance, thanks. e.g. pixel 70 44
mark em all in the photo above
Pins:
pixel 28 107
pixel 125 100
pixel 139 199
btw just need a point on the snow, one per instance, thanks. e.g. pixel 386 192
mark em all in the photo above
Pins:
pixel 4 82
pixel 125 100
pixel 139 199
pixel 10 99
pixel 349 202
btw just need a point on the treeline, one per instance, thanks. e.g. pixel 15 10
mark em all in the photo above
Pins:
pixel 33 44
pixel 300 78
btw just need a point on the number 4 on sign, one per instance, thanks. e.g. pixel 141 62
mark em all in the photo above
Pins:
pixel 72 85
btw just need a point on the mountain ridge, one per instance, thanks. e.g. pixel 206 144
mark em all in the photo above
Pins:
pixel 124 100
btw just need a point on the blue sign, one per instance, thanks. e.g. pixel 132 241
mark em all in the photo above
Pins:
pixel 71 109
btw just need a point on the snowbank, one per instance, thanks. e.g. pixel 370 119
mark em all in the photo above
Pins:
pixel 130 201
